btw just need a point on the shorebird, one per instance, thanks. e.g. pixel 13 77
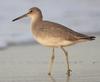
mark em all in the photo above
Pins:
pixel 53 35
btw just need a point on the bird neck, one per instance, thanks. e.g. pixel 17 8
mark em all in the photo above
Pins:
pixel 36 22
pixel 36 19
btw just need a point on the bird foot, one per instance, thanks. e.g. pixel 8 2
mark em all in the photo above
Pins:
pixel 49 73
pixel 69 72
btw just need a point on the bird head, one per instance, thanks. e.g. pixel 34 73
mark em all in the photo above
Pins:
pixel 34 13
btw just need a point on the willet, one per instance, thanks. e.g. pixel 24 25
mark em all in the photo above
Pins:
pixel 53 35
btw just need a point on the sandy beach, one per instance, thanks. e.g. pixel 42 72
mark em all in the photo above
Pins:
pixel 29 63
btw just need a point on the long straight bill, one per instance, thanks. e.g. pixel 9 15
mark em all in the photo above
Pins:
pixel 19 17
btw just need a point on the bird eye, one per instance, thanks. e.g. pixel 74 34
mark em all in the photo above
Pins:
pixel 30 10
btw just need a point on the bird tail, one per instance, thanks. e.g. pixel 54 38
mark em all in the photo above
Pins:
pixel 90 38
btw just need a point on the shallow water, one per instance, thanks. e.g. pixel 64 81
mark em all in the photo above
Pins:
pixel 30 64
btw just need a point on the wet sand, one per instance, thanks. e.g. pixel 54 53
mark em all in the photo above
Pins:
pixel 30 63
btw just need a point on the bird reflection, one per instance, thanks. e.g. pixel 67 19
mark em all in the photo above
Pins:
pixel 52 79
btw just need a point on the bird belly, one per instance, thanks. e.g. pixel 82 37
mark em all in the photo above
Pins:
pixel 53 42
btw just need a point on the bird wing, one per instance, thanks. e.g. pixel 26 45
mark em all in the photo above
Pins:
pixel 59 31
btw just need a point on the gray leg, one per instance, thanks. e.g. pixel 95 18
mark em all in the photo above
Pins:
pixel 51 62
pixel 66 60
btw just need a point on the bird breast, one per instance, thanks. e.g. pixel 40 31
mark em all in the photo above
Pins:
pixel 52 42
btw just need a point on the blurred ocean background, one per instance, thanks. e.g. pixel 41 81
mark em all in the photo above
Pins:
pixel 80 15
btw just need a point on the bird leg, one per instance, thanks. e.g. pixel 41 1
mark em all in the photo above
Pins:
pixel 66 60
pixel 51 62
